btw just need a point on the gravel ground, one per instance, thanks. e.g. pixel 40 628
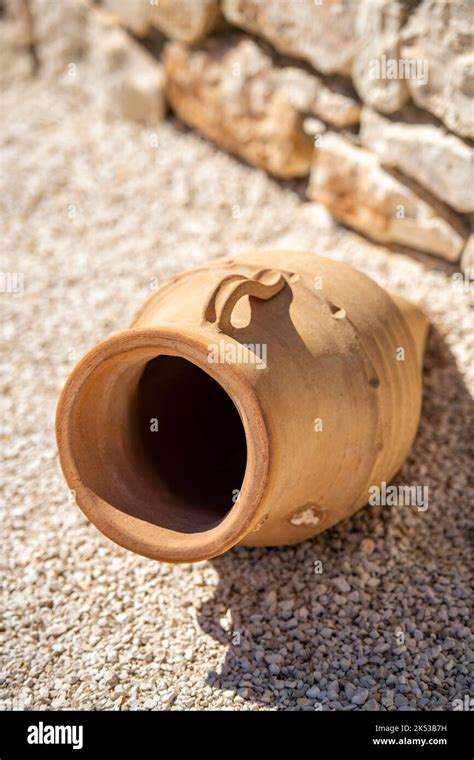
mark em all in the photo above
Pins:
pixel 95 212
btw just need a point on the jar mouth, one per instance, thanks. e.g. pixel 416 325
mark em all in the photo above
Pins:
pixel 166 453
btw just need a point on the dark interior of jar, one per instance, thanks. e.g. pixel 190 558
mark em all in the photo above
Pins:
pixel 161 441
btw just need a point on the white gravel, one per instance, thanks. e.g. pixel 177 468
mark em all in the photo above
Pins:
pixel 93 216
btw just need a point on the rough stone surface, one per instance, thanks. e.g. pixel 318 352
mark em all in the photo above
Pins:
pixel 127 82
pixel 96 212
pixel 142 95
pixel 17 19
pixel 441 162
pixel 134 14
pixel 310 94
pixel 185 20
pixel 440 33
pixel 16 62
pixel 377 27
pixel 60 35
pixel 321 33
pixel 353 185
pixel 337 108
pixel 233 95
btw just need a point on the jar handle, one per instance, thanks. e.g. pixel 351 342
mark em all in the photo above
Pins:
pixel 218 309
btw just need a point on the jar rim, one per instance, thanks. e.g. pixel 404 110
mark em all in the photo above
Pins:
pixel 136 534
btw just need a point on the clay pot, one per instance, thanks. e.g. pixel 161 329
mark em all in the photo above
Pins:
pixel 252 401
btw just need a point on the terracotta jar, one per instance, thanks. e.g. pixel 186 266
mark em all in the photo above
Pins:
pixel 251 401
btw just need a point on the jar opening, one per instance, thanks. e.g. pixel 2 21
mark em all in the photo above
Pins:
pixel 166 453
pixel 192 436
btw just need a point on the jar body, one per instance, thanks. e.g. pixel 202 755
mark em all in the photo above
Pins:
pixel 324 368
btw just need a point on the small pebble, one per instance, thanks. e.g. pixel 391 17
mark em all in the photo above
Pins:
pixel 367 546
pixel 342 585
pixel 360 697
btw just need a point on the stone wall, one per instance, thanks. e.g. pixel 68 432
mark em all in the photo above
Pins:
pixel 369 100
